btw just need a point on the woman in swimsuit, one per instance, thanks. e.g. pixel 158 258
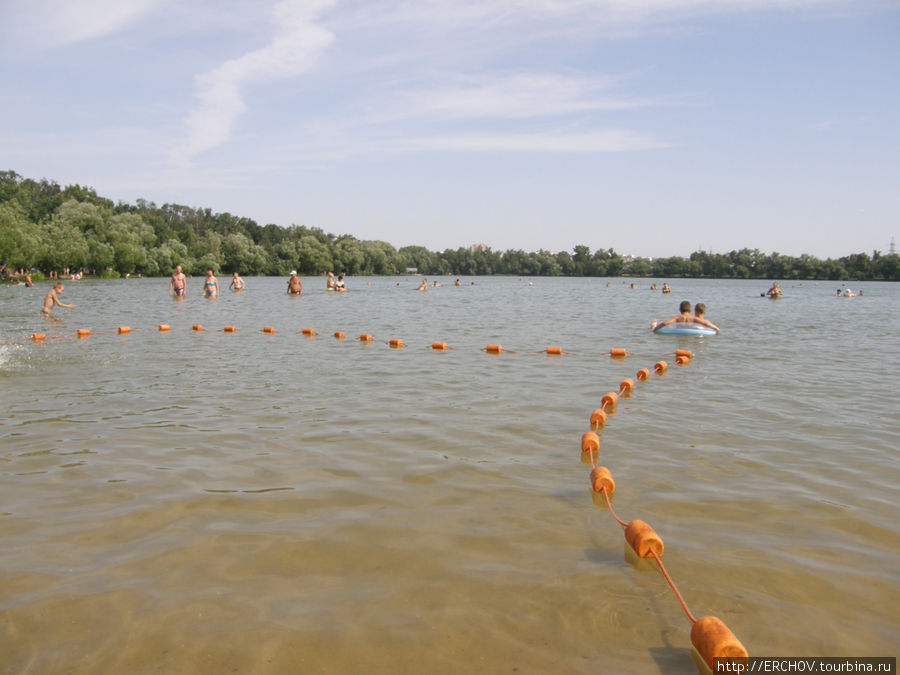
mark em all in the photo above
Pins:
pixel 211 285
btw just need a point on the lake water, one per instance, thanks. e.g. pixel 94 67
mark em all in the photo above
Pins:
pixel 207 502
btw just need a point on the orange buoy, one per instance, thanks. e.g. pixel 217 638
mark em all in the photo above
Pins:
pixel 660 367
pixel 641 537
pixel 38 337
pixel 197 327
pixel 396 343
pixel 268 329
pixel 626 385
pixel 228 329
pixel 598 419
pixel 713 640
pixel 308 331
pixel 124 329
pixel 554 350
pixel 618 352
pixel 682 360
pixel 602 478
pixel 164 327
pixel 643 374
pixel 83 332
pixel 590 442
pixel 365 337
pixel 609 400
pixel 339 335
pixel 439 346
pixel 684 352
pixel 493 349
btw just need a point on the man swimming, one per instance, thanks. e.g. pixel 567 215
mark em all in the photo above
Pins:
pixel 178 283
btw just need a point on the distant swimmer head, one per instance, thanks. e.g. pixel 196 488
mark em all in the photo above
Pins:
pixel 685 306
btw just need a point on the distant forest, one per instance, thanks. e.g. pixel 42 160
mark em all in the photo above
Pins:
pixel 53 228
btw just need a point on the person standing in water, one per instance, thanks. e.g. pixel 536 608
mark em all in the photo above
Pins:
pixel 294 285
pixel 178 283
pixel 237 284
pixel 210 285
pixel 52 298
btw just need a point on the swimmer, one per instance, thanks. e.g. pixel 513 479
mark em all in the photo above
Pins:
pixel 665 288
pixel 423 286
pixel 435 285
pixel 653 287
pixel 52 298
pixel 456 283
pixel 178 283
pixel 28 282
pixel 339 284
pixel 330 283
pixel 210 285
pixel 775 291
pixel 294 285
pixel 849 294
pixel 684 317
pixel 700 317
pixel 237 284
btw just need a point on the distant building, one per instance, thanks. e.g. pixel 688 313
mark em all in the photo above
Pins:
pixel 478 247
pixel 412 270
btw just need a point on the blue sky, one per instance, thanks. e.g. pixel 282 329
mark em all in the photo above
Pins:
pixel 654 127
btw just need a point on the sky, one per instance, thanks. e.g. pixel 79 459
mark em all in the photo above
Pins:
pixel 653 127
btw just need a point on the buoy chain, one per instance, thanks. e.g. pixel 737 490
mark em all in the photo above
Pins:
pixel 709 635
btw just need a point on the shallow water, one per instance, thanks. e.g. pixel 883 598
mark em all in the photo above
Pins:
pixel 202 502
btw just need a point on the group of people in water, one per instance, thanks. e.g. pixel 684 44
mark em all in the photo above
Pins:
pixel 178 284
pixel 699 317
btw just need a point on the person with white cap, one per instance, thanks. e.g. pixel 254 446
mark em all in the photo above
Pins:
pixel 294 285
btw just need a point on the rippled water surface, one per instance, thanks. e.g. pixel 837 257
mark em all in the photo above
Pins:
pixel 243 502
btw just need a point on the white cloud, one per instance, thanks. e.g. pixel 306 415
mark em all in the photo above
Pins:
pixel 50 23
pixel 609 140
pixel 296 44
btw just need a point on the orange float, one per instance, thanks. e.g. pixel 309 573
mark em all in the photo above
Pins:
pixel 554 350
pixel 228 329
pixel 684 352
pixel 590 442
pixel 163 327
pixel 38 337
pixel 660 367
pixel 493 349
pixel 609 400
pixel 308 331
pixel 396 343
pixel 713 640
pixel 339 335
pixel 365 337
pixel 643 374
pixel 83 332
pixel 598 419
pixel 268 329
pixel 618 352
pixel 626 385
pixel 439 346
pixel 602 479
pixel 641 537
pixel 124 329
pixel 197 327
pixel 682 360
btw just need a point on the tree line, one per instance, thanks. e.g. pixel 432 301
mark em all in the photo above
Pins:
pixel 52 228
